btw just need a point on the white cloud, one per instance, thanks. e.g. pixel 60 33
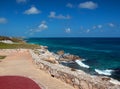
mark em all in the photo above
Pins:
pixel 60 16
pixel 99 26
pixel 42 26
pixel 88 30
pixel 32 10
pixel 39 28
pixel 67 30
pixel 3 20
pixel 21 1
pixel 88 5
pixel 111 25
pixel 52 14
pixel 69 5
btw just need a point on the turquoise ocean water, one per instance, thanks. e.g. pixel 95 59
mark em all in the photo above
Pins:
pixel 102 55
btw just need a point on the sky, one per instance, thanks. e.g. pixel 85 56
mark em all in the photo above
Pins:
pixel 60 18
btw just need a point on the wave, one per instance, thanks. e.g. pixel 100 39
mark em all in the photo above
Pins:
pixel 104 72
pixel 81 64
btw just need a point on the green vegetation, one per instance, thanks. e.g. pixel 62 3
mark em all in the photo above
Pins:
pixel 13 39
pixel 2 57
pixel 17 43
pixel 17 46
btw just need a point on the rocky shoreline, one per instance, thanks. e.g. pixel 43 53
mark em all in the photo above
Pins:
pixel 50 62
pixel 58 57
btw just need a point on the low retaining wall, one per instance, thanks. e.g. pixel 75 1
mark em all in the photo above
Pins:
pixel 77 78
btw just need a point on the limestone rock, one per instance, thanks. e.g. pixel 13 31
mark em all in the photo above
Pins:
pixel 51 60
pixel 7 41
pixel 61 52
pixel 76 81
pixel 90 86
pixel 69 81
pixel 44 47
pixel 71 57
pixel 76 87
pixel 84 85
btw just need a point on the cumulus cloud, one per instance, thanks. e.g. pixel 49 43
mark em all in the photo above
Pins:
pixel 94 27
pixel 42 26
pixel 3 20
pixel 99 26
pixel 52 14
pixel 111 25
pixel 69 5
pixel 60 16
pixel 88 30
pixel 88 5
pixel 68 30
pixel 32 10
pixel 21 1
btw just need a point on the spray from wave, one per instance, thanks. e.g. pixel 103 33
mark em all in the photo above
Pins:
pixel 81 64
pixel 104 72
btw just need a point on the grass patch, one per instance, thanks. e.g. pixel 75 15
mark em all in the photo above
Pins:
pixel 18 45
pixel 13 39
pixel 2 57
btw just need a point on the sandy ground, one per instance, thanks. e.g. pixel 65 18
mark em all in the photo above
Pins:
pixel 20 64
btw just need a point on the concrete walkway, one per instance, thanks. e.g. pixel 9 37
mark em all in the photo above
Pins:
pixel 20 64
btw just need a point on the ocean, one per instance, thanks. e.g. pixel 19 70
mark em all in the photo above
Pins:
pixel 100 55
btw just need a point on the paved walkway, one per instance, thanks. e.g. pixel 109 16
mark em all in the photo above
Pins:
pixel 20 64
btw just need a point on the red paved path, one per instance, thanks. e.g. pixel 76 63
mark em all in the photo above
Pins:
pixel 17 82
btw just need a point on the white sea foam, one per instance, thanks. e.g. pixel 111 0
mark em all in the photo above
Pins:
pixel 83 59
pixel 81 64
pixel 104 72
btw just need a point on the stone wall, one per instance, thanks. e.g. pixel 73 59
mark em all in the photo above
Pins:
pixel 77 78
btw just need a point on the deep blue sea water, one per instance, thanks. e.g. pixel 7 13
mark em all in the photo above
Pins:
pixel 99 53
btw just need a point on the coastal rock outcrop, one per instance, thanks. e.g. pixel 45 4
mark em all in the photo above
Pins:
pixel 71 57
pixel 44 54
pixel 61 52
pixel 77 78
pixel 7 41
pixel 67 56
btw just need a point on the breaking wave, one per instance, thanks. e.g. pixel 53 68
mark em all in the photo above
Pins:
pixel 104 72
pixel 81 64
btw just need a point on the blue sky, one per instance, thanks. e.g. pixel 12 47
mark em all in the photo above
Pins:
pixel 60 18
